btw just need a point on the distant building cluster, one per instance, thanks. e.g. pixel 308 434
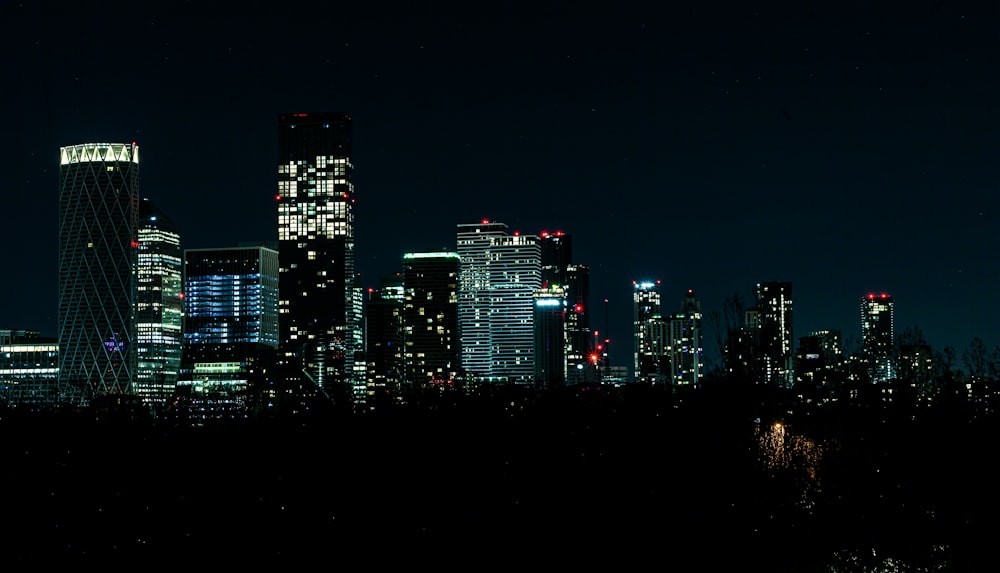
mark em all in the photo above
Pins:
pixel 285 324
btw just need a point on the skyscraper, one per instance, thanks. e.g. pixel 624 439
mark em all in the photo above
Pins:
pixel 685 352
pixel 384 342
pixel 474 242
pixel 578 342
pixel 557 255
pixel 321 328
pixel 158 312
pixel 98 216
pixel 430 318
pixel 774 310
pixel 646 314
pixel 559 270
pixel 878 336
pixel 550 336
pixel 498 278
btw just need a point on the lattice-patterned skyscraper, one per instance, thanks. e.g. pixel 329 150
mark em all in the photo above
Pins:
pixel 98 216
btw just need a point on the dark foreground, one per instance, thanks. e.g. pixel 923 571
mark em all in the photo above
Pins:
pixel 577 481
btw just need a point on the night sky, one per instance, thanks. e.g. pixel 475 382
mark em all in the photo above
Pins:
pixel 841 146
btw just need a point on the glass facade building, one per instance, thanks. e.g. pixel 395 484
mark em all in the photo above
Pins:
pixel 320 319
pixel 158 312
pixel 499 275
pixel 550 340
pixel 29 369
pixel 230 322
pixel 231 296
pixel 474 242
pixel 98 217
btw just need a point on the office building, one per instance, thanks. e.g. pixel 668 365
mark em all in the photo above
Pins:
pixel 98 217
pixel 775 357
pixel 230 323
pixel 557 255
pixel 818 359
pixel 474 242
pixel 878 336
pixel 550 341
pixel 499 274
pixel 29 370
pixel 430 319
pixel 384 342
pixel 321 324
pixel 648 330
pixel 684 349
pixel 558 269
pixel 158 311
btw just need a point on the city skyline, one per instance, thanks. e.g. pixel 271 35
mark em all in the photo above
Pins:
pixel 838 151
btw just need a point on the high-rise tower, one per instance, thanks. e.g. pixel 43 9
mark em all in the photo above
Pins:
pixel 550 336
pixel 474 242
pixel 319 323
pixel 646 315
pixel 430 318
pixel 685 343
pixel 877 336
pixel 578 342
pixel 384 342
pixel 158 312
pixel 98 216
pixel 774 308
pixel 498 278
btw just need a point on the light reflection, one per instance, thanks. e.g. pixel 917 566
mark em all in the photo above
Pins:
pixel 783 451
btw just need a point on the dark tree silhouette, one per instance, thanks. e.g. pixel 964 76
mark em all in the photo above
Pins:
pixel 976 358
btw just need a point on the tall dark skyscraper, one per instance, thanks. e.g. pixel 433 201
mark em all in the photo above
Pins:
pixel 550 336
pixel 647 315
pixel 430 318
pixel 557 254
pixel 559 270
pixel 98 217
pixel 384 342
pixel 320 322
pixel 158 311
pixel 684 349
pixel 878 336
pixel 774 310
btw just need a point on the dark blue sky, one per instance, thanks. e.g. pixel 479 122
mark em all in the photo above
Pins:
pixel 845 147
